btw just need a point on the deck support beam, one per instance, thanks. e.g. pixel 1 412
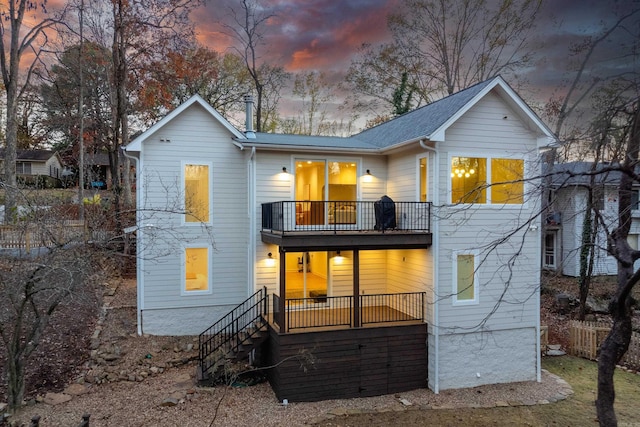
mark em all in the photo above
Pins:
pixel 356 288
pixel 283 291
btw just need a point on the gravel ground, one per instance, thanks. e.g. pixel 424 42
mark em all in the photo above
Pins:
pixel 140 403
pixel 170 397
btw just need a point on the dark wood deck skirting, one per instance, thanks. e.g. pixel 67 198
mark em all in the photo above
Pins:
pixel 347 363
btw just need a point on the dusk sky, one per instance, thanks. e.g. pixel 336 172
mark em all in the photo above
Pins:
pixel 323 35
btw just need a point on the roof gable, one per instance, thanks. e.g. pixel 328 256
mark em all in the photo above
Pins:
pixel 432 120
pixel 136 144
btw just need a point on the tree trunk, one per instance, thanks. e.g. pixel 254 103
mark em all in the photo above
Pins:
pixel 15 380
pixel 10 183
pixel 611 351
pixel 617 342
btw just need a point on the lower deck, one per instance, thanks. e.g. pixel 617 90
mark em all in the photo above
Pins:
pixel 346 363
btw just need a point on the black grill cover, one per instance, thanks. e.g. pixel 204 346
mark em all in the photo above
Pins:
pixel 385 210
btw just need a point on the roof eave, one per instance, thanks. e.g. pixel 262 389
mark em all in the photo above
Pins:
pixel 308 148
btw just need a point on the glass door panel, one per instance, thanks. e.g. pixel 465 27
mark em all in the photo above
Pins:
pixel 310 185
pixel 306 276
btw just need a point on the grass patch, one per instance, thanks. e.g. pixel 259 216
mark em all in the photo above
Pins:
pixel 577 410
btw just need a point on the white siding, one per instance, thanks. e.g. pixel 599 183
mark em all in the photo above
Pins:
pixel 195 136
pixel 508 284
pixel 272 185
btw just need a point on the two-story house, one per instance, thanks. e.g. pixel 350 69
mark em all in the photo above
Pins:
pixel 436 284
pixel 570 185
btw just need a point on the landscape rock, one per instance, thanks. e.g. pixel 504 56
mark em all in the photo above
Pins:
pixel 169 401
pixel 56 398
pixel 76 389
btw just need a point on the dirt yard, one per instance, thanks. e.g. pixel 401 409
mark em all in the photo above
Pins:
pixel 94 362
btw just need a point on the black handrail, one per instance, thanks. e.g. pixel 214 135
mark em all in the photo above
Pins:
pixel 223 337
pixel 345 215
pixel 324 311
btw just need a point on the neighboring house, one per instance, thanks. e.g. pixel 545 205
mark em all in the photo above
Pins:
pixel 98 170
pixel 566 214
pixel 33 163
pixel 438 287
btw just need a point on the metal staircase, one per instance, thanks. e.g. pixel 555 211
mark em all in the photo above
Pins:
pixel 234 337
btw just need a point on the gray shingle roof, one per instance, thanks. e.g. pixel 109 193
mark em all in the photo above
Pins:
pixel 418 123
pixel 422 121
pixel 31 155
pixel 310 141
pixel 579 173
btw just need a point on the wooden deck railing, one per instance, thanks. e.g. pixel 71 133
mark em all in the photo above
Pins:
pixel 325 311
pixel 335 216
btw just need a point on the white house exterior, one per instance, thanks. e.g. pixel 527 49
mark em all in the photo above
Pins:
pixel 477 261
pixel 565 220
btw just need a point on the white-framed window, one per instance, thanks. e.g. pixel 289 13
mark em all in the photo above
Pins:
pixel 23 168
pixel 196 270
pixel 465 278
pixel 197 178
pixel 487 180
pixel 423 178
pixel 550 250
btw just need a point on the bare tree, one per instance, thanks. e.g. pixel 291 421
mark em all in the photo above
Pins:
pixel 248 30
pixel 15 41
pixel 35 284
pixel 467 41
pixel 617 341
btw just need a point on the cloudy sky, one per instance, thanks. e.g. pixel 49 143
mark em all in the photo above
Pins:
pixel 324 34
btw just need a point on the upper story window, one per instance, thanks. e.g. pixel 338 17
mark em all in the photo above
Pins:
pixel 197 198
pixel 485 180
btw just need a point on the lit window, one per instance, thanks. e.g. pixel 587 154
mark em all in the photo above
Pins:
pixel 465 287
pixel 423 179
pixel 196 269
pixel 468 180
pixel 196 193
pixel 481 180
pixel 507 181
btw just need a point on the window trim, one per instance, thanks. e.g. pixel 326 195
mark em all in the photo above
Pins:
pixel 489 202
pixel 183 165
pixel 454 288
pixel 183 270
pixel 419 158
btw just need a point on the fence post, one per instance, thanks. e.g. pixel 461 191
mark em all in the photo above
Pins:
pixel 27 240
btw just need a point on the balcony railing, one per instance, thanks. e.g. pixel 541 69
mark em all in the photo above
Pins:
pixel 294 216
pixel 325 311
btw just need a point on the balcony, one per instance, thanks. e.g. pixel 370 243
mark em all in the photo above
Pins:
pixel 323 225
pixel 310 314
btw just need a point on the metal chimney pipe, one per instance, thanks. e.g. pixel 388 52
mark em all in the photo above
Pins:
pixel 248 102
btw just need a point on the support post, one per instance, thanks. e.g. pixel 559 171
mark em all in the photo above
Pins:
pixel 283 291
pixel 356 289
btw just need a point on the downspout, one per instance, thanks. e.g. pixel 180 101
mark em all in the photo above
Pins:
pixel 436 266
pixel 251 205
pixel 139 240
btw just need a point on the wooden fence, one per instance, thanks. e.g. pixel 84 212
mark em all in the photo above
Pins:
pixel 43 235
pixel 586 337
